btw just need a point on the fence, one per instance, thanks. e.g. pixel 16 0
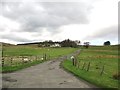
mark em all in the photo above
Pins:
pixel 17 60
pixel 83 65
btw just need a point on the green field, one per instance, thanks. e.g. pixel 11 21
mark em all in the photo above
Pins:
pixel 98 57
pixel 32 50
pixel 16 52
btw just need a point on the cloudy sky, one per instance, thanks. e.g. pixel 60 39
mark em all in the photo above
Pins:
pixel 23 21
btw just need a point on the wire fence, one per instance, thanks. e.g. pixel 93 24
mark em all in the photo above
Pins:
pixel 18 60
pixel 91 67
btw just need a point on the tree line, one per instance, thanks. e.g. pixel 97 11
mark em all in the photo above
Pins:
pixel 64 43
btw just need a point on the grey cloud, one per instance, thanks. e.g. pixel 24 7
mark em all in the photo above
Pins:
pixel 47 14
pixel 36 16
pixel 106 33
pixel 14 38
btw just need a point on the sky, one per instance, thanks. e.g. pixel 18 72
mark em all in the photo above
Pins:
pixel 94 21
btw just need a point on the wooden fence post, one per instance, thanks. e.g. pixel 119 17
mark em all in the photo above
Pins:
pixel 83 65
pixel 73 60
pixel 11 61
pixel 2 62
pixel 102 71
pixel 2 54
pixel 88 66
pixel 17 61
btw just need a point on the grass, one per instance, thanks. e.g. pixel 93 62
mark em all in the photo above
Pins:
pixel 16 51
pixel 32 51
pixel 7 69
pixel 97 56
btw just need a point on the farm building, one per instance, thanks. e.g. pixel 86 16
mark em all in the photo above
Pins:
pixel 55 45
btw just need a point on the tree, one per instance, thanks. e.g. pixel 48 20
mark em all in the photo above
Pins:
pixel 77 42
pixel 68 43
pixel 107 43
pixel 50 41
pixel 46 43
pixel 86 44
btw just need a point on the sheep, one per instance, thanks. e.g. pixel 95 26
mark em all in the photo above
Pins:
pixel 72 57
pixel 25 60
pixel 73 60
pixel 41 58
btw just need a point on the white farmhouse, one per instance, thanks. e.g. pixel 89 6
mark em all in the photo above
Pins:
pixel 55 45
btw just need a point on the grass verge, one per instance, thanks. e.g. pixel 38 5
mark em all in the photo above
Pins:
pixel 97 58
pixel 8 69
